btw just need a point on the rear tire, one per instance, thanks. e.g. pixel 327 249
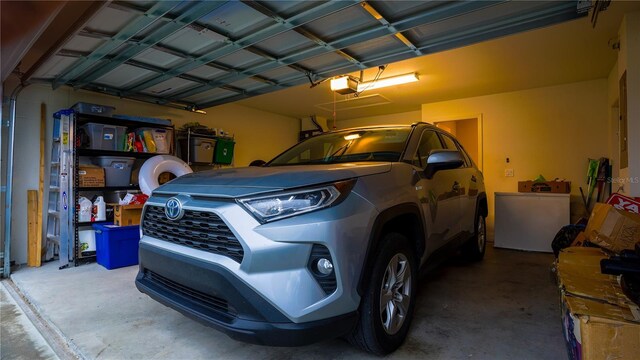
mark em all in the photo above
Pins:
pixel 474 249
pixel 387 304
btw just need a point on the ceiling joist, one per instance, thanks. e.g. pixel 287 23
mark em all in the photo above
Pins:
pixel 223 51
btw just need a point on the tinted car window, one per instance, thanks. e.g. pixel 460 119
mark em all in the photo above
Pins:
pixel 428 141
pixel 452 145
pixel 466 156
pixel 382 144
pixel 449 143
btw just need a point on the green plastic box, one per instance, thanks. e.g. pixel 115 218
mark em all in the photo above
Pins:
pixel 223 153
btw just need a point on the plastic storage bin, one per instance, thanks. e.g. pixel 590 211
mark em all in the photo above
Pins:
pixel 224 151
pixel 93 109
pixel 200 150
pixel 163 139
pixel 116 246
pixel 105 137
pixel 117 170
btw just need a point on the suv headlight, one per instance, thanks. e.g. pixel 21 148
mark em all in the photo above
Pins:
pixel 286 204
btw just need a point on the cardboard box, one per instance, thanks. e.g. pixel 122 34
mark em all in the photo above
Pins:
pixel 581 259
pixel 580 239
pixel 613 229
pixel 601 288
pixel 599 321
pixel 597 330
pixel 579 274
pixel 559 187
pixel 90 176
pixel 126 215
pixel 625 203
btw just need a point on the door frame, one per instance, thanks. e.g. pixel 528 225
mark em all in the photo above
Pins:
pixel 479 118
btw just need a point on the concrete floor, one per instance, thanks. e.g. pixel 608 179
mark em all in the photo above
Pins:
pixel 503 308
pixel 19 338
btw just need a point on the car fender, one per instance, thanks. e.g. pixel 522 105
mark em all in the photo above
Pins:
pixel 384 218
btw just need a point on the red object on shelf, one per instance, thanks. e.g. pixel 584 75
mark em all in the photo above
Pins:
pixel 624 203
pixel 138 145
pixel 139 199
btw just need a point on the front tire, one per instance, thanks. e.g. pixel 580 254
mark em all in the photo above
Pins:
pixel 474 249
pixel 387 305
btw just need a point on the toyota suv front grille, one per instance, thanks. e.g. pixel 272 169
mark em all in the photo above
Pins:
pixel 196 229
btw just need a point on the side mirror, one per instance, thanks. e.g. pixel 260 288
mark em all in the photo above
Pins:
pixel 442 160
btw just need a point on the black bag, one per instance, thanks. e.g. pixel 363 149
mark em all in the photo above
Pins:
pixel 565 237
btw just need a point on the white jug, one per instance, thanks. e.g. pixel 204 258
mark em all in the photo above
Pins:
pixel 100 209
pixel 85 210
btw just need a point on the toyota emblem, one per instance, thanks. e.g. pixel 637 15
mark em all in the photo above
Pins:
pixel 173 209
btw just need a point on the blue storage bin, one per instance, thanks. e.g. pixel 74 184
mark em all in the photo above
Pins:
pixel 117 246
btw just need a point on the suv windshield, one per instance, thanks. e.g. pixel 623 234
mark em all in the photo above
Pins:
pixel 377 144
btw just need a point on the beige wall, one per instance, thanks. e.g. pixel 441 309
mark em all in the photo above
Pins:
pixel 613 103
pixel 466 131
pixel 467 134
pixel 258 135
pixel 448 126
pixel 392 119
pixel 628 60
pixel 549 131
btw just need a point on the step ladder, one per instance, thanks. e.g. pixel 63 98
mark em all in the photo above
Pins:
pixel 60 203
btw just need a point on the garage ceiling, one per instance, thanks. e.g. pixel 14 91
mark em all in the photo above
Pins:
pixel 564 53
pixel 195 55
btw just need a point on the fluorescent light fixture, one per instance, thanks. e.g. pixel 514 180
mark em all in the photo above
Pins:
pixel 344 85
pixel 390 81
pixel 352 137
pixel 193 108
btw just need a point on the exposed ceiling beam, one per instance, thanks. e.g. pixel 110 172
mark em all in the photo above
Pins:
pixel 145 66
pixel 376 15
pixel 185 18
pixel 130 7
pixel 562 11
pixel 300 30
pixel 154 13
pixel 447 10
pixel 21 25
pixel 300 19
pixel 169 50
pixel 183 105
pixel 477 34
pixel 88 14
pixel 164 48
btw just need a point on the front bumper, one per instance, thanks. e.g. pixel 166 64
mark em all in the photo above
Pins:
pixel 275 257
pixel 211 294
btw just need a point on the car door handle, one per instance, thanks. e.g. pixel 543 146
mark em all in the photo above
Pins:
pixel 456 186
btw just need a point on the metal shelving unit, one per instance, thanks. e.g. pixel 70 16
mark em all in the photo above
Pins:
pixel 188 136
pixel 68 231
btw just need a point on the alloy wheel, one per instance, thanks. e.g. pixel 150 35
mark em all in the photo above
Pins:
pixel 395 294
pixel 482 234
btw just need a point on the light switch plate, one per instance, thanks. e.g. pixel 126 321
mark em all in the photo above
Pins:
pixel 508 172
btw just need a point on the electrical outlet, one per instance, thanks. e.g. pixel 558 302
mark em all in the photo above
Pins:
pixel 508 172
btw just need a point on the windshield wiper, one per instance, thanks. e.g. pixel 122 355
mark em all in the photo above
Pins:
pixel 342 149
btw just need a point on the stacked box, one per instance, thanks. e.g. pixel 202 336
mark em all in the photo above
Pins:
pixel 599 321
pixel 105 137
pixel 559 187
pixel 126 215
pixel 117 169
pixel 90 176
pixel 613 229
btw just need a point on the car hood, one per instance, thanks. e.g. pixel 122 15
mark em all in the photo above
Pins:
pixel 239 182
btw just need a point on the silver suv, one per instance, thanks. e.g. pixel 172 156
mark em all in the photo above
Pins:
pixel 325 240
